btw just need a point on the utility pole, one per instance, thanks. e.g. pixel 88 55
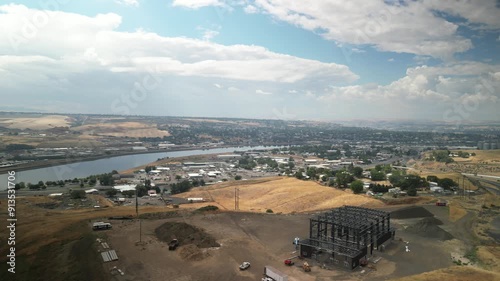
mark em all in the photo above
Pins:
pixel 236 198
pixel 137 214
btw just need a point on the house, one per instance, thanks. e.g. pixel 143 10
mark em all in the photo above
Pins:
pixel 152 193
pixel 125 187
pixel 91 191
pixel 437 189
pixel 195 176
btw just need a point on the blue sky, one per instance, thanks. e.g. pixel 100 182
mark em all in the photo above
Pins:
pixel 322 60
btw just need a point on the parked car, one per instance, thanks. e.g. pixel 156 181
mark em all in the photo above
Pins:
pixel 244 265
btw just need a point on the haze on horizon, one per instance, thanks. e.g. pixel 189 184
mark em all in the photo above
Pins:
pixel 266 59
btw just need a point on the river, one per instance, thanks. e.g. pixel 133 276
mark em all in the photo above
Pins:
pixel 86 168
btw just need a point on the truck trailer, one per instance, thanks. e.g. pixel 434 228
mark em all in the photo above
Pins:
pixel 274 274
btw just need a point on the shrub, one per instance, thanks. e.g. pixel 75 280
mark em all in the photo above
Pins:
pixel 269 211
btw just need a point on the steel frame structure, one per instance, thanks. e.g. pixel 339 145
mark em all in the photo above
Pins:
pixel 347 232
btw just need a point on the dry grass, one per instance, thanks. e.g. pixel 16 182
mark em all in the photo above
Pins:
pixel 36 123
pixel 490 257
pixel 285 195
pixel 122 129
pixel 456 212
pixel 455 273
pixel 37 227
pixel 489 156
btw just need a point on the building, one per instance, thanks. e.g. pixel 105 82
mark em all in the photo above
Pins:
pixel 195 176
pixel 229 156
pixel 346 235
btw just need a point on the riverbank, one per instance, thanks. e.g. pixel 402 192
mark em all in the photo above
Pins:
pixel 66 161
pixel 56 162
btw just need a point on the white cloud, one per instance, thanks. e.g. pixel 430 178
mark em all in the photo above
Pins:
pixel 209 34
pixel 195 4
pixel 261 92
pixel 410 28
pixel 250 9
pixel 134 3
pixel 102 47
pixel 390 60
pixel 94 61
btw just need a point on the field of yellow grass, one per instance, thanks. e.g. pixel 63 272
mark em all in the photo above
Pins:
pixel 36 123
pixel 489 156
pixel 456 212
pixel 285 195
pixel 122 129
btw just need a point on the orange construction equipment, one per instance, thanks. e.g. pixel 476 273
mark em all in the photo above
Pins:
pixel 306 267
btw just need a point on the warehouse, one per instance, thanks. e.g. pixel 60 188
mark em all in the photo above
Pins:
pixel 346 235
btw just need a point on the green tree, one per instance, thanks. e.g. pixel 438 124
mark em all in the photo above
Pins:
pixel 412 191
pixel 357 186
pixel 377 175
pixel 19 185
pixel 343 178
pixel 357 171
pixel 141 190
pixel 237 177
pixel 447 183
pixel 78 194
pixel 178 177
pixel 111 192
pixel 128 193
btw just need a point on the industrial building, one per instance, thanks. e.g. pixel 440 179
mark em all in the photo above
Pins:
pixel 346 235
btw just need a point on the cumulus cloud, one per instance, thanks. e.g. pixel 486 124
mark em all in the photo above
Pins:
pixel 145 72
pixel 415 27
pixel 134 3
pixel 195 4
pixel 261 92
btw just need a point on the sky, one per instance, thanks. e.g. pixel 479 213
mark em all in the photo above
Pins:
pixel 269 59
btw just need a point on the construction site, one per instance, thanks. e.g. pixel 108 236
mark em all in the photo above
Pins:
pixel 345 236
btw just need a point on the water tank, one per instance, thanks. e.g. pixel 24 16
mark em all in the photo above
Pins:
pixel 486 146
pixel 493 145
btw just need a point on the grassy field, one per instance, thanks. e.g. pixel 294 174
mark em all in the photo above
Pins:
pixel 122 129
pixel 285 195
pixel 36 123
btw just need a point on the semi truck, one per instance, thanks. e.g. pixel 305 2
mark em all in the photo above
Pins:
pixel 274 274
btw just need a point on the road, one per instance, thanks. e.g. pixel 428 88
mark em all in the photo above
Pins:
pixel 495 191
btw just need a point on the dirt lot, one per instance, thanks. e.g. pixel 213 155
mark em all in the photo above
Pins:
pixel 266 239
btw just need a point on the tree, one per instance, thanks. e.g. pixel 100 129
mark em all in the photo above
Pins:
pixel 432 178
pixel 128 193
pixel 141 190
pixel 19 185
pixel 413 181
pixel 377 175
pixel 111 192
pixel 178 177
pixel 78 194
pixel 180 187
pixel 357 171
pixel 447 183
pixel 412 191
pixel 237 177
pixel 343 178
pixel 396 179
pixel 357 186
